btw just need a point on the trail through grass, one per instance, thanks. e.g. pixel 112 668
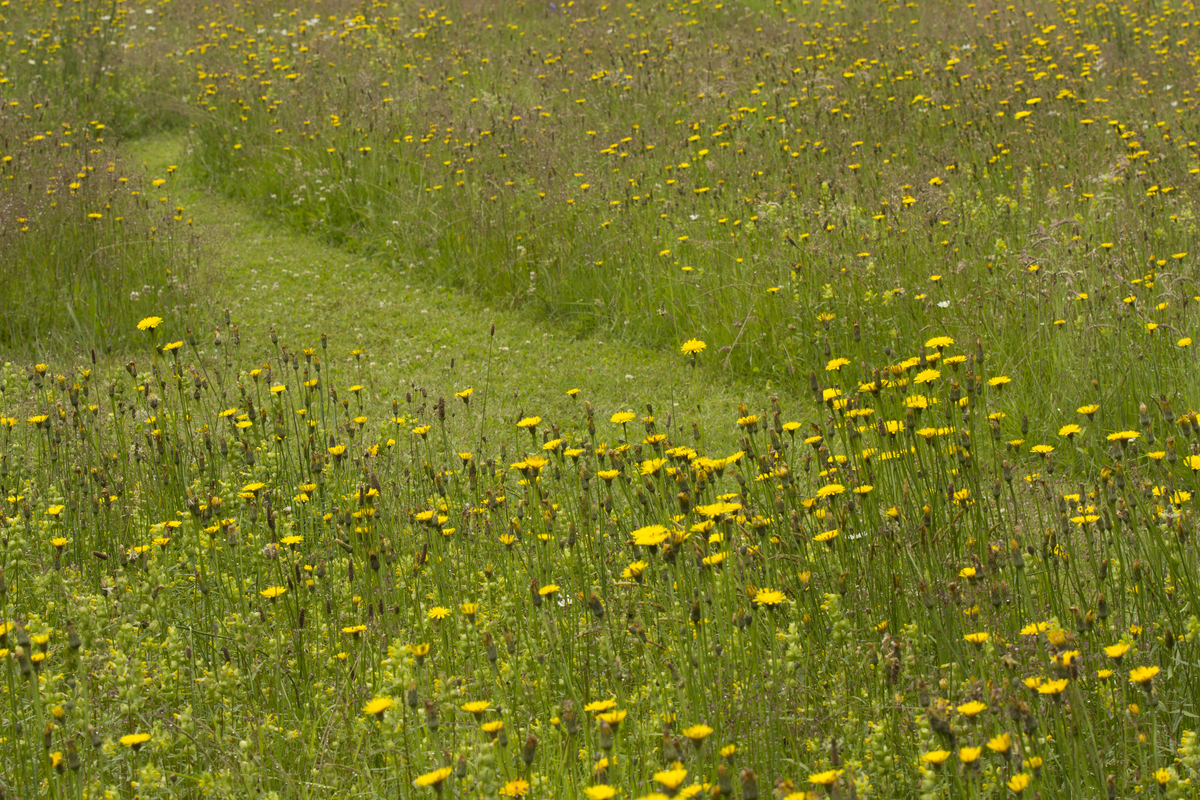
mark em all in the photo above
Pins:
pixel 271 277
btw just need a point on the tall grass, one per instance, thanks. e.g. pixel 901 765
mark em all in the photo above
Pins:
pixel 658 172
pixel 89 245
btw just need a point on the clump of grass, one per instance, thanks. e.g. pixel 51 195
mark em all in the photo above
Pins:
pixel 88 247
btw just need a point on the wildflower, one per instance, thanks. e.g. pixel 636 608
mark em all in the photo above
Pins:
pixel 972 708
pixel 697 733
pixel 149 323
pixel 968 755
pixel 999 381
pixel 935 757
pixel 613 718
pixel 597 706
pixel 1017 783
pixel 825 778
pixel 1143 676
pixel 134 741
pixel 1116 651
pixel 1053 688
pixel 836 364
pixel 434 779
pixel 271 592
pixel 601 792
pixel 671 779
pixel 693 346
pixel 377 707
pixel 1000 744
pixel 622 417
pixel 1068 430
pixel 517 788
pixel 529 422
pixel 476 707
pixel 769 598
pixel 649 536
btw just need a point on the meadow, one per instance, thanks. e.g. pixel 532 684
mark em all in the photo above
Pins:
pixel 599 400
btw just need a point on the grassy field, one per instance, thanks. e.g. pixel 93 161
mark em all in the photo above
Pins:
pixel 599 400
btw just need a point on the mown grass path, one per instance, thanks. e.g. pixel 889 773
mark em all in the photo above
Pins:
pixel 414 335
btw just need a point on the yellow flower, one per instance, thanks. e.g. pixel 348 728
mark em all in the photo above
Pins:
pixel 601 792
pixel 476 707
pixel 271 592
pixel 1017 783
pixel 977 638
pixel 769 597
pixel 529 422
pixel 825 778
pixel 613 718
pixel 972 708
pixel 1053 687
pixel 671 779
pixel 517 788
pixel 935 757
pixel 649 536
pixel 1000 744
pixel 149 323
pixel 1116 651
pixel 1143 675
pixel 136 740
pixel 434 778
pixel 1123 436
pixel 377 706
pixel 968 755
pixel 697 733
pixel 600 705
pixel 693 346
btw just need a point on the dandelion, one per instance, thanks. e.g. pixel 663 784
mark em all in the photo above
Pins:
pixel 697 734
pixel 1000 744
pixel 972 709
pixel 516 788
pixel 935 757
pixel 693 346
pixel 149 323
pixel 969 755
pixel 671 779
pixel 134 741
pixel 825 778
pixel 1018 783
pixel 601 792
pixel 377 707
pixel 272 592
pixel 649 536
pixel 1116 651
pixel 769 598
pixel 434 779
pixel 1143 676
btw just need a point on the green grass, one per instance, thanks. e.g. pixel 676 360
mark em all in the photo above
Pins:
pixel 916 521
